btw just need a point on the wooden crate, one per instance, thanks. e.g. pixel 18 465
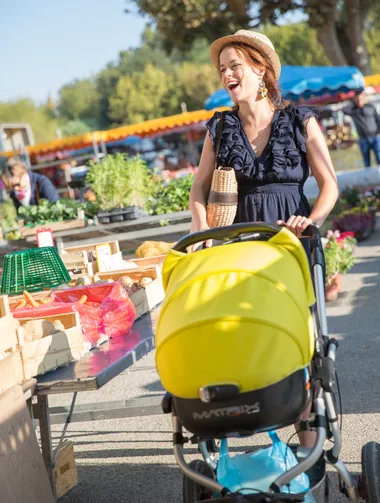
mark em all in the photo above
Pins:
pixel 65 470
pixel 53 351
pixel 11 372
pixel 114 246
pixel 79 263
pixel 88 253
pixel 36 296
pixel 149 261
pixel 63 225
pixel 146 298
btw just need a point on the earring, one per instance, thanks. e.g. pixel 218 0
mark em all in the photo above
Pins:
pixel 262 90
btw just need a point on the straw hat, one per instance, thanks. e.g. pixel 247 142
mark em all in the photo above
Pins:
pixel 252 38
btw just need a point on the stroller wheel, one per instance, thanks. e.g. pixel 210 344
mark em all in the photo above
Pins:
pixel 193 492
pixel 371 472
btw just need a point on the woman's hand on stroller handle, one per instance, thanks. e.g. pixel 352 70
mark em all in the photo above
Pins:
pixel 296 224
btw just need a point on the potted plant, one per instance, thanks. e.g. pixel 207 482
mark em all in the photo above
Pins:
pixel 339 258
pixel 358 220
pixel 121 185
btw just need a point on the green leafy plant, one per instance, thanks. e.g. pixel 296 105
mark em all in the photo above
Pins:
pixel 63 209
pixel 8 214
pixel 119 181
pixel 339 254
pixel 171 197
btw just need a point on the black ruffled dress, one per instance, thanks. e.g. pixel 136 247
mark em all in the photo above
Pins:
pixel 270 186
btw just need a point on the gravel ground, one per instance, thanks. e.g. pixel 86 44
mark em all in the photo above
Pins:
pixel 131 460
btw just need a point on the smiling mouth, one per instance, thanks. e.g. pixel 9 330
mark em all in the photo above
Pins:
pixel 232 86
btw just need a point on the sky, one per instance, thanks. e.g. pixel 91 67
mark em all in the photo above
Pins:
pixel 45 44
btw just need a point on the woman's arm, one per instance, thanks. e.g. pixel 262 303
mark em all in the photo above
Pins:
pixel 201 186
pixel 322 169
pixel 319 160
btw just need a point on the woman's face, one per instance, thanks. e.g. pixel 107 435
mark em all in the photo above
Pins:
pixel 239 78
pixel 19 180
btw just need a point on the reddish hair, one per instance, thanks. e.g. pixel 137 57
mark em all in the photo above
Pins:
pixel 257 61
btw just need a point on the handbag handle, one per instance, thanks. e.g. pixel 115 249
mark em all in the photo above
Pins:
pixel 219 131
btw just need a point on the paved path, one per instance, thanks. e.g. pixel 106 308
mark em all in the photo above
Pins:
pixel 130 460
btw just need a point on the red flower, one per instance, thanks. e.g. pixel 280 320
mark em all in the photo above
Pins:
pixel 344 235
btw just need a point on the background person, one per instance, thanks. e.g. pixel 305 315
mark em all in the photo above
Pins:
pixel 25 187
pixel 367 122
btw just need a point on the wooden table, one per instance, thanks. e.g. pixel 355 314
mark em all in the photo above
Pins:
pixel 92 372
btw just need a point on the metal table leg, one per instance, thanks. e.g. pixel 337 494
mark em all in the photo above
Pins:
pixel 45 432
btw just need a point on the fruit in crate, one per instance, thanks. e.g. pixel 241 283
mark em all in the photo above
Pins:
pixel 153 249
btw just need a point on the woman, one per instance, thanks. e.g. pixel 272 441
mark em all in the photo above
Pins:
pixel 26 188
pixel 270 144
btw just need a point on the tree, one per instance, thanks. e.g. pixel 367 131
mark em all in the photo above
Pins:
pixel 80 100
pixel 44 127
pixel 140 96
pixel 296 44
pixel 73 128
pixel 195 83
pixel 340 25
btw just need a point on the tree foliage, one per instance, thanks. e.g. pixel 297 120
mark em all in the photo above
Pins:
pixel 340 25
pixel 40 118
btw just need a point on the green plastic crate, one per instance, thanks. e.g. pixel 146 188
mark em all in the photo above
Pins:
pixel 33 270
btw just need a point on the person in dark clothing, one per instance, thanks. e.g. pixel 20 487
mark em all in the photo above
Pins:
pixel 26 188
pixel 367 122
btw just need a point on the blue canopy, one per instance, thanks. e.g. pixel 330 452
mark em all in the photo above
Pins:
pixel 305 82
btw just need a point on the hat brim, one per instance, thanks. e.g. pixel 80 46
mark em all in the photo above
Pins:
pixel 217 46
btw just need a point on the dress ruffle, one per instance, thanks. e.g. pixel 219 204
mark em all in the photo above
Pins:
pixel 284 151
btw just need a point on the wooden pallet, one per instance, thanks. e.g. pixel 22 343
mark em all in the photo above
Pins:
pixel 53 351
pixel 11 372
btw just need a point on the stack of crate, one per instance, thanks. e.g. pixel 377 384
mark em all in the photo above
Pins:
pixel 11 370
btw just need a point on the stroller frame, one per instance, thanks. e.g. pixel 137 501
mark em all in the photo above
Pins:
pixel 325 420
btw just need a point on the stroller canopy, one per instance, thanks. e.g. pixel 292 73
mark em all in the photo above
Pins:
pixel 235 314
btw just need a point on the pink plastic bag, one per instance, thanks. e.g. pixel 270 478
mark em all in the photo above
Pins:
pixel 108 310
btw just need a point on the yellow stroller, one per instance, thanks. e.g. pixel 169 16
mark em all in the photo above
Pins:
pixel 238 327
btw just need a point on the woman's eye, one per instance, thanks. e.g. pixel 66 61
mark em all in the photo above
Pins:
pixel 235 65
pixel 223 70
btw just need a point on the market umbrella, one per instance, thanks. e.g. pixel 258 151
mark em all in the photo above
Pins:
pixel 300 83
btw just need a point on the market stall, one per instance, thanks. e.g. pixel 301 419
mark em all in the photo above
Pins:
pixel 74 322
pixel 303 84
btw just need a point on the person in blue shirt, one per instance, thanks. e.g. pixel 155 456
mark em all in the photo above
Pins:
pixel 25 187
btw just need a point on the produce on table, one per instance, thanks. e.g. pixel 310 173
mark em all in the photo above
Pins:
pixel 30 300
pixel 153 249
pixel 145 281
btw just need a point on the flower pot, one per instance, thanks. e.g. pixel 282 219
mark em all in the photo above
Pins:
pixel 332 290
pixel 338 281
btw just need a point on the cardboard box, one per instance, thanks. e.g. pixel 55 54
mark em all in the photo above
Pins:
pixel 23 477
pixel 65 471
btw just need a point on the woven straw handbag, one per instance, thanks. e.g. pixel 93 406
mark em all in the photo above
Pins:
pixel 223 196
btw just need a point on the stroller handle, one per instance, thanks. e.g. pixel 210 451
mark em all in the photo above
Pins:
pixel 233 232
